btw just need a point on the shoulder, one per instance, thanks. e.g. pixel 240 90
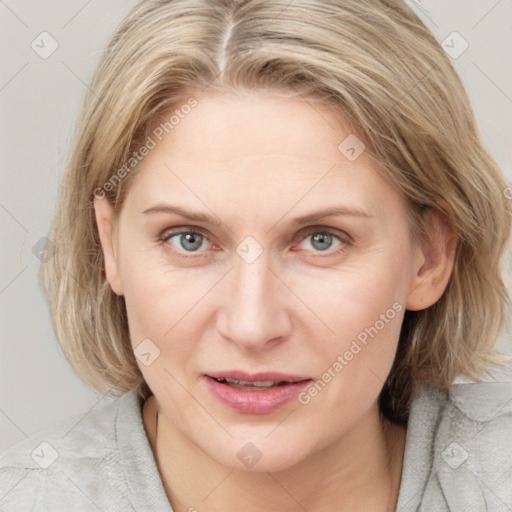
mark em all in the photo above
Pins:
pixel 67 463
pixel 463 444
pixel 466 403
pixel 65 440
pixel 475 425
pixel 476 422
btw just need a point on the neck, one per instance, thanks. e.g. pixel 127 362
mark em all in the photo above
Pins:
pixel 361 471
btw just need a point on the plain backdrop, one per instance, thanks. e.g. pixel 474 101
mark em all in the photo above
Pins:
pixel 39 102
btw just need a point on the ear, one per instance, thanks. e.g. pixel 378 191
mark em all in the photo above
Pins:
pixel 104 220
pixel 435 256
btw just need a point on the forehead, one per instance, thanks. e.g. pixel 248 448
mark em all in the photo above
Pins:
pixel 260 149
pixel 258 124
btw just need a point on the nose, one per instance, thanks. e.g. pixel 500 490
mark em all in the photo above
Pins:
pixel 255 310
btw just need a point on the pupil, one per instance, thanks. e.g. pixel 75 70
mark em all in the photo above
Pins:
pixel 193 238
pixel 322 238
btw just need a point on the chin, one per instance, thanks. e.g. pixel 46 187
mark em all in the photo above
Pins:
pixel 257 456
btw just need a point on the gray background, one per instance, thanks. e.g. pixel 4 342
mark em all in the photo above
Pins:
pixel 39 101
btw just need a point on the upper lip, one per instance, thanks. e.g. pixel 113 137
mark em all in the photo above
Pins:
pixel 257 377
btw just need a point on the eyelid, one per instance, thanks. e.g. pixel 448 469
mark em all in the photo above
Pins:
pixel 342 235
pixel 169 232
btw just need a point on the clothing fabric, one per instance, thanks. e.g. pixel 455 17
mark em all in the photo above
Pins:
pixel 458 458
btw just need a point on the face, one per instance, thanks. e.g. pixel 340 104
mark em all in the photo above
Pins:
pixel 251 248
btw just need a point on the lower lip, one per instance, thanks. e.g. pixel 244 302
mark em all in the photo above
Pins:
pixel 259 401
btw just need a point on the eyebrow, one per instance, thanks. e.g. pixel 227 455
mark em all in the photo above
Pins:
pixel 195 216
pixel 332 211
pixel 211 219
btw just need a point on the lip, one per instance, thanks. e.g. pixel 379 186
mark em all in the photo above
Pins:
pixel 258 401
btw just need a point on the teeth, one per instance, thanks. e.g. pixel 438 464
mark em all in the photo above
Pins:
pixel 260 383
pixel 265 383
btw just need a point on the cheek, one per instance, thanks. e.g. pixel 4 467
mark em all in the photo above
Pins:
pixel 166 308
pixel 364 307
pixel 353 297
pixel 159 299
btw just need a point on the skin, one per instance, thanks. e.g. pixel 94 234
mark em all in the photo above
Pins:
pixel 257 162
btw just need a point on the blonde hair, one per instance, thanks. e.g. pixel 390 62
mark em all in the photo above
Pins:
pixel 372 61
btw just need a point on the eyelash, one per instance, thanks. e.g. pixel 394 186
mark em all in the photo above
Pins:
pixel 344 239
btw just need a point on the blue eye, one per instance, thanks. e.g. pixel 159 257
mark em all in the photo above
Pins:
pixel 321 240
pixel 188 241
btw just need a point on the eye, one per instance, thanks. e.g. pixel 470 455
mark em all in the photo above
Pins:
pixel 322 240
pixel 187 241
pixel 191 242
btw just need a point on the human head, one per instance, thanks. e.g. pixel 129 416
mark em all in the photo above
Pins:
pixel 374 63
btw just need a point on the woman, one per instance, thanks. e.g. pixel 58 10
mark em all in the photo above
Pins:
pixel 286 251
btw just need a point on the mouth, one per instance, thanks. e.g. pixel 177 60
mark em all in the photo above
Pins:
pixel 248 385
pixel 263 380
pixel 259 393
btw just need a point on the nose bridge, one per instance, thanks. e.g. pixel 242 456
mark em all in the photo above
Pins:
pixel 252 286
pixel 254 312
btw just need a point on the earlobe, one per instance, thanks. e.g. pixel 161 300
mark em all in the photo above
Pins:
pixel 435 261
pixel 104 221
